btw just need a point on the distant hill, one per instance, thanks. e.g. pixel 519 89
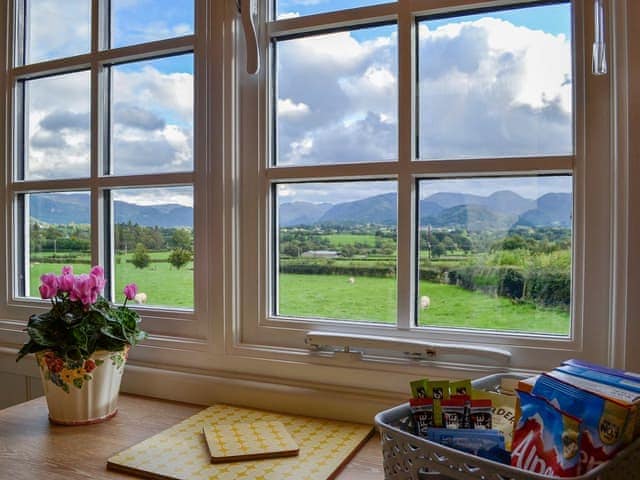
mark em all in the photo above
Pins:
pixel 57 208
pixel 552 209
pixel 301 213
pixel 472 217
pixel 380 209
pixel 500 210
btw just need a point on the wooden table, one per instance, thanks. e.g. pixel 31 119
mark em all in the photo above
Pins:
pixel 32 448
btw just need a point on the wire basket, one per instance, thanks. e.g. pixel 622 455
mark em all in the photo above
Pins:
pixel 409 457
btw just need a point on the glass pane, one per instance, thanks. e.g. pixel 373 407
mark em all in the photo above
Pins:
pixel 496 84
pixel 142 21
pixel 57 123
pixel 495 254
pixel 59 235
pixel 57 29
pixel 337 250
pixel 337 98
pixel 153 241
pixel 297 8
pixel 152 116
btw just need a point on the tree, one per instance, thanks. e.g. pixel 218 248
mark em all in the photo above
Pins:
pixel 141 258
pixel 179 257
pixel 182 238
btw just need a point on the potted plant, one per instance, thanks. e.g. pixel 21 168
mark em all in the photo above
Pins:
pixel 81 345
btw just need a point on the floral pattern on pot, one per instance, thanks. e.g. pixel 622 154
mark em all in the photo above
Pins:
pixel 74 373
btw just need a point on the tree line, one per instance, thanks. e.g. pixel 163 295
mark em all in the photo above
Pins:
pixel 69 240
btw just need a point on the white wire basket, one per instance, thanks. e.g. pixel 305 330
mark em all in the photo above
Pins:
pixel 409 457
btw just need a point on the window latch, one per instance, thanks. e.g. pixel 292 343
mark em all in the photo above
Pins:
pixel 247 9
pixel 415 349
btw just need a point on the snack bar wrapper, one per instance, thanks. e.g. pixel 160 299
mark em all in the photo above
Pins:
pixel 487 444
pixel 422 414
pixel 438 391
pixel 503 412
pixel 546 440
pixel 419 388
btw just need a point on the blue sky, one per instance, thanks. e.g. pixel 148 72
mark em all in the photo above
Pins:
pixel 550 18
pixel 554 19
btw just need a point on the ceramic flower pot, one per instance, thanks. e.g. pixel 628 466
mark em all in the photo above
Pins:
pixel 81 393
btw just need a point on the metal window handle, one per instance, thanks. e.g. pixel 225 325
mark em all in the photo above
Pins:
pixel 247 10
pixel 599 65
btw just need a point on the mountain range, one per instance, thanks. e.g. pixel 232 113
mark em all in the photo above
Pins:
pixel 57 208
pixel 500 210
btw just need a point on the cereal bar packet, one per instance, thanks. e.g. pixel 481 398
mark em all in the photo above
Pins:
pixel 546 440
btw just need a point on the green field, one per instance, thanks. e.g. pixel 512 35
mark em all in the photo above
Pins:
pixel 341 239
pixel 164 284
pixel 373 299
pixel 332 296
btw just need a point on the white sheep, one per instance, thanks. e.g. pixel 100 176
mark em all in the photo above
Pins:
pixel 425 301
pixel 140 298
pixel 352 280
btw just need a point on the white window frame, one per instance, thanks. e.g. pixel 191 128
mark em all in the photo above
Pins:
pixel 265 336
pixel 181 330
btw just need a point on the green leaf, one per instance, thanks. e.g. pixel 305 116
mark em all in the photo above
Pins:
pixel 77 382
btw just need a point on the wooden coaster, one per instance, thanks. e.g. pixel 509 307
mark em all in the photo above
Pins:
pixel 248 441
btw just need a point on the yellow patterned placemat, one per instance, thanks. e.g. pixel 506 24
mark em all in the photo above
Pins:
pixel 248 441
pixel 181 453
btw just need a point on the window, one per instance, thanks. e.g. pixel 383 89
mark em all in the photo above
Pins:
pixel 105 151
pixel 424 178
pixel 396 172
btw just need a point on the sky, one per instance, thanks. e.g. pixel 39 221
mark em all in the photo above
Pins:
pixel 152 101
pixel 491 84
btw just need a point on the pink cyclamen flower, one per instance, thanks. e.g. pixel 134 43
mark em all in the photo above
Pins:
pixel 97 273
pixel 49 286
pixel 84 290
pixel 130 291
pixel 65 280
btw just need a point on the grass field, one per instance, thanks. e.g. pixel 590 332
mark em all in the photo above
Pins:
pixel 373 300
pixel 332 296
pixel 342 239
pixel 164 285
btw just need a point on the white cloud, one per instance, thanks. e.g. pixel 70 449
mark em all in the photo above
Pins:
pixel 285 15
pixel 494 89
pixel 155 196
pixel 287 108
pixel 152 123
pixel 56 32
pixel 157 91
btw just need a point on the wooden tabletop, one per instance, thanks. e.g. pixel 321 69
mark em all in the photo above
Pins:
pixel 32 448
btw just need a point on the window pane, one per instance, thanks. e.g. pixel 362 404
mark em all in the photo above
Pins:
pixel 337 250
pixel 56 30
pixel 495 254
pixel 496 84
pixel 57 124
pixel 59 234
pixel 297 8
pixel 337 98
pixel 153 241
pixel 144 21
pixel 152 116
